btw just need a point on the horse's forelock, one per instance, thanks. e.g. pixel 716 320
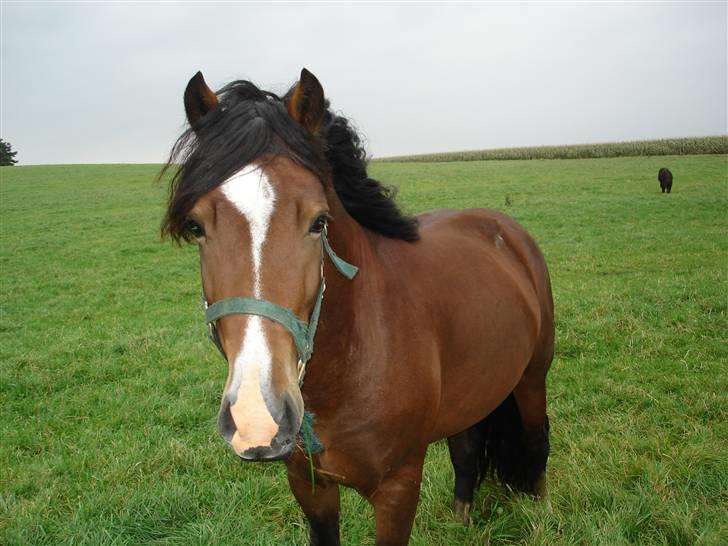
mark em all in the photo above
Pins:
pixel 247 123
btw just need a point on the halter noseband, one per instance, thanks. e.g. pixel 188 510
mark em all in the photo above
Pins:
pixel 302 332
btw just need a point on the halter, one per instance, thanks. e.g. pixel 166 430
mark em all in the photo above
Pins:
pixel 302 332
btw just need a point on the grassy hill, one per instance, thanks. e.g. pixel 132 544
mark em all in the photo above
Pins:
pixel 109 388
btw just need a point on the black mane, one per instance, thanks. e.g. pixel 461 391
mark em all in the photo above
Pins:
pixel 249 122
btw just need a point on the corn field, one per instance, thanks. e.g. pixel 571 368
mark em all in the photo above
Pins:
pixel 671 146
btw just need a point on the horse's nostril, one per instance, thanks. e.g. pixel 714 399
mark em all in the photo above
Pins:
pixel 291 420
pixel 225 423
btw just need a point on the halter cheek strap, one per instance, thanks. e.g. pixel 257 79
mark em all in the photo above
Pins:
pixel 302 332
pixel 346 269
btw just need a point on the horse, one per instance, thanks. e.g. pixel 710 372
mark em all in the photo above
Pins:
pixel 437 326
pixel 664 176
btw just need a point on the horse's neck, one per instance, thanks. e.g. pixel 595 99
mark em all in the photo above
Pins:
pixel 348 238
pixel 339 336
pixel 355 245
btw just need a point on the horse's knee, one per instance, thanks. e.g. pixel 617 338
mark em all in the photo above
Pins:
pixel 325 531
pixel 319 501
pixel 395 502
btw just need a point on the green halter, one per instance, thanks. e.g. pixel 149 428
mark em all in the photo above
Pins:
pixel 302 332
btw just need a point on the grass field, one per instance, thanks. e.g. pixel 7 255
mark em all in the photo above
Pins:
pixel 109 389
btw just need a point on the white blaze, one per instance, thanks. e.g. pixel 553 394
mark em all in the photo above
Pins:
pixel 250 192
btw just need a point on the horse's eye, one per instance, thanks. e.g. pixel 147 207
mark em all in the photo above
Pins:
pixel 194 229
pixel 319 224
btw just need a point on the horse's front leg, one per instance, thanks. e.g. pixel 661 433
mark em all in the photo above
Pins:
pixel 395 503
pixel 319 502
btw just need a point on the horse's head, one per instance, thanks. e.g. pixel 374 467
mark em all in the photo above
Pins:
pixel 250 190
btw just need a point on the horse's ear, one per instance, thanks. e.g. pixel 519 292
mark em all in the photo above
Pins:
pixel 199 99
pixel 306 104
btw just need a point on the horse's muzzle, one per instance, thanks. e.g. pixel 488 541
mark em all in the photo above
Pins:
pixel 281 446
pixel 278 450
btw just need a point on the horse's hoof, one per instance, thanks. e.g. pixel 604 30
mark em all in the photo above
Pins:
pixel 462 511
pixel 539 488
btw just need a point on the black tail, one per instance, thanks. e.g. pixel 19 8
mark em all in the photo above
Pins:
pixel 514 457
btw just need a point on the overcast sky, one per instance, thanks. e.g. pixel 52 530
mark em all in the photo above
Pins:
pixel 91 82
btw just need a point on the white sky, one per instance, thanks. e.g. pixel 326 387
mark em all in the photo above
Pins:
pixel 102 83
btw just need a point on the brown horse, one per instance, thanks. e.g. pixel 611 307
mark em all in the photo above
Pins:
pixel 447 330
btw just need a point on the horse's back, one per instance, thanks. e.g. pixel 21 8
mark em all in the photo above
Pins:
pixel 493 236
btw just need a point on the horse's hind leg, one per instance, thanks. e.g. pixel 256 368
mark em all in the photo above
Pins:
pixel 465 448
pixel 530 397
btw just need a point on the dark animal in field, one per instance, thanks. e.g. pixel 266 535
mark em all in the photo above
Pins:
pixel 665 177
pixel 446 330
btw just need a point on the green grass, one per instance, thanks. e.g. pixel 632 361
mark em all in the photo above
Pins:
pixel 109 388
pixel 668 146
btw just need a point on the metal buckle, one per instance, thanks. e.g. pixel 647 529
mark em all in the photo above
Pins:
pixel 301 372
